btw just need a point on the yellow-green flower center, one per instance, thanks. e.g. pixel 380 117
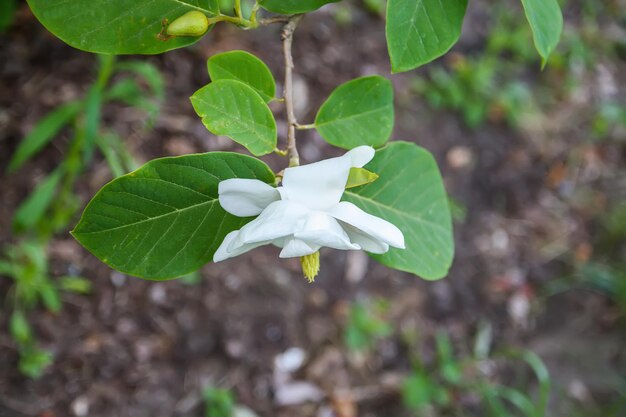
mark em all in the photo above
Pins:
pixel 310 266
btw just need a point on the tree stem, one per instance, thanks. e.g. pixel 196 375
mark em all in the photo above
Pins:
pixel 287 38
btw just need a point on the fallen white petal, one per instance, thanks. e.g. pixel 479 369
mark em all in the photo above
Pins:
pixel 246 197
pixel 297 392
pixel 290 360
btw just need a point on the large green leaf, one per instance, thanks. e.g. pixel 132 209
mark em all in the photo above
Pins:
pixel 410 194
pixel 546 22
pixel 165 220
pixel 245 67
pixel 419 31
pixel 359 112
pixel 117 26
pixel 293 6
pixel 231 108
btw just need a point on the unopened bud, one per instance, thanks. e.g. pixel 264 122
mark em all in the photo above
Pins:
pixel 310 266
pixel 192 23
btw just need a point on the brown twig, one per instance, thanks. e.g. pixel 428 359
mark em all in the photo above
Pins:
pixel 287 38
pixel 274 19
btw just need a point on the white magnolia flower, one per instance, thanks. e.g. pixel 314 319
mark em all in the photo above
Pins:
pixel 306 213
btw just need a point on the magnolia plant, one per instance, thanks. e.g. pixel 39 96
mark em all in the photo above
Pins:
pixel 173 215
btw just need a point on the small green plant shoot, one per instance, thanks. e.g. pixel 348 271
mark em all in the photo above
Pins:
pixel 52 205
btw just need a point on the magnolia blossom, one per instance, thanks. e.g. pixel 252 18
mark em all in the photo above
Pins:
pixel 306 213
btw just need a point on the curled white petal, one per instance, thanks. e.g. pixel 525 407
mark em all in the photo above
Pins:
pixel 320 185
pixel 323 230
pixel 294 248
pixel 360 156
pixel 246 197
pixel 280 219
pixel 229 248
pixel 365 241
pixel 373 226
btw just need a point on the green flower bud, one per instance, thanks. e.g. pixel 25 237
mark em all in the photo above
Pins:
pixel 192 23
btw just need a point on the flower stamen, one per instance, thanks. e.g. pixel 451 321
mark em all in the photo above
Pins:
pixel 310 266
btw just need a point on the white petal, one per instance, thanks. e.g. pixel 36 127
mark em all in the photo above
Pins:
pixel 320 185
pixel 278 220
pixel 323 230
pixel 365 241
pixel 373 226
pixel 246 197
pixel 295 248
pixel 360 156
pixel 229 250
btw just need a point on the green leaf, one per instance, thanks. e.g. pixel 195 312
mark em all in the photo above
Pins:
pixel 7 13
pixel 117 26
pixel 218 402
pixel 19 328
pixel 293 6
pixel 131 93
pixel 359 112
pixel 245 67
pixel 50 297
pixel 419 31
pixel 117 155
pixel 113 159
pixel 43 132
pixel 149 72
pixel 360 176
pixel 410 194
pixel 448 366
pixel 364 328
pixel 6 268
pixel 418 391
pixel 30 212
pixel 165 220
pixel 93 115
pixel 546 22
pixel 515 397
pixel 231 108
pixel 75 284
pixel 34 361
pixel 193 278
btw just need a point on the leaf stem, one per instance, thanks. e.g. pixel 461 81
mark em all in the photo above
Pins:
pixel 244 23
pixel 254 12
pixel 239 21
pixel 305 127
pixel 287 38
